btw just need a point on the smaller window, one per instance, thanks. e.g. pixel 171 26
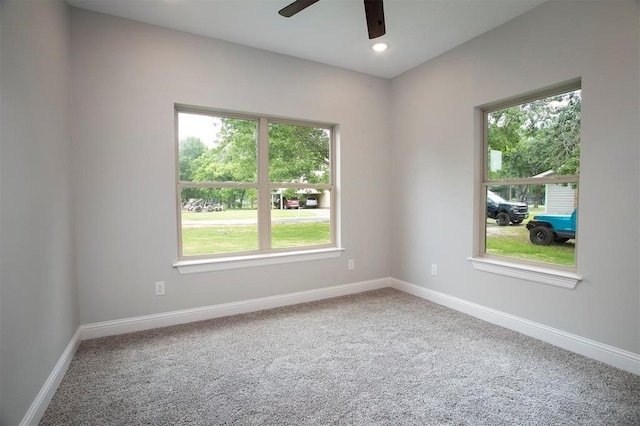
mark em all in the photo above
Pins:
pixel 529 189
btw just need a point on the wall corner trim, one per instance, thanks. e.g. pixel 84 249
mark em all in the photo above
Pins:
pixel 40 404
pixel 602 352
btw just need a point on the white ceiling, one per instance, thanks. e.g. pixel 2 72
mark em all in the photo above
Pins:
pixel 333 32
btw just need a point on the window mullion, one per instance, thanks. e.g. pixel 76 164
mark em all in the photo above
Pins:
pixel 264 193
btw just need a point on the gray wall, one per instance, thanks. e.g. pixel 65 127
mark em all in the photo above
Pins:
pixel 39 295
pixel 435 144
pixel 126 78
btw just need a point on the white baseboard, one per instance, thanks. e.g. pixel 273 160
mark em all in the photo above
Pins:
pixel 128 325
pixel 39 405
pixel 607 354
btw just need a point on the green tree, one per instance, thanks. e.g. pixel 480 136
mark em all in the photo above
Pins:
pixel 558 138
pixel 298 153
pixel 234 158
pixel 190 150
pixel 536 137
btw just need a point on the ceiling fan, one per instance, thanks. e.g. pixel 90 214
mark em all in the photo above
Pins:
pixel 372 8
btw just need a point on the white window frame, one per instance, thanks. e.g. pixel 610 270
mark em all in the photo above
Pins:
pixel 555 275
pixel 264 255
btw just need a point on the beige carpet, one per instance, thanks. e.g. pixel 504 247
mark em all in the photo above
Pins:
pixel 381 357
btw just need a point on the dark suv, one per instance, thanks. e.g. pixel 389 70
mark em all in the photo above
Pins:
pixel 505 212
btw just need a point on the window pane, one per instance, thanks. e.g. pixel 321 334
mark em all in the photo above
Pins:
pixel 217 149
pixel 300 217
pixel 218 220
pixel 538 138
pixel 532 222
pixel 299 153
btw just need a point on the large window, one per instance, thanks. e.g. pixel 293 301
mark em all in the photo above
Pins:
pixel 251 185
pixel 529 190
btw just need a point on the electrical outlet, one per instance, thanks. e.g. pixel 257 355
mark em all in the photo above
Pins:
pixel 434 269
pixel 352 264
pixel 160 288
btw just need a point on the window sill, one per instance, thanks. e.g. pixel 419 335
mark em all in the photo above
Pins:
pixel 536 274
pixel 221 264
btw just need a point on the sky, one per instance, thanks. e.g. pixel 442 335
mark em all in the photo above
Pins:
pixel 201 126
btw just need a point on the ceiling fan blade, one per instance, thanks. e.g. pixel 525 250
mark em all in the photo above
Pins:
pixel 295 7
pixel 375 18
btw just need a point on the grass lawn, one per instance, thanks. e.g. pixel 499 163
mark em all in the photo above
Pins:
pixel 518 246
pixel 300 234
pixel 235 238
pixel 219 239
pixel 508 241
pixel 513 241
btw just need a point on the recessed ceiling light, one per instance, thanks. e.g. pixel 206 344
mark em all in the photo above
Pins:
pixel 380 47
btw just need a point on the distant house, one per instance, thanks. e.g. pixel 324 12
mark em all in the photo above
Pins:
pixel 558 198
pixel 324 197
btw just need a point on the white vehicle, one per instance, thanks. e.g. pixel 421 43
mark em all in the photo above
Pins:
pixel 311 202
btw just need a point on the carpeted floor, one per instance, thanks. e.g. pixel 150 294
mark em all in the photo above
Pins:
pixel 381 357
